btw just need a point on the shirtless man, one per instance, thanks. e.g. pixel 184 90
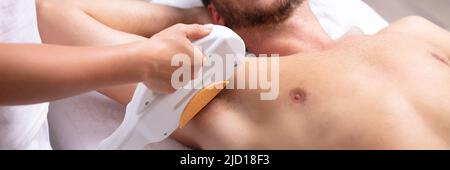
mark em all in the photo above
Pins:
pixel 386 91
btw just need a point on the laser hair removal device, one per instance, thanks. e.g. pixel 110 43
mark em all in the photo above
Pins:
pixel 152 117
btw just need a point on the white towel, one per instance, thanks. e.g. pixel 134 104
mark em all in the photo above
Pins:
pixel 21 127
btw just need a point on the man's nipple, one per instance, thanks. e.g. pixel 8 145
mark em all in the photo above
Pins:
pixel 297 95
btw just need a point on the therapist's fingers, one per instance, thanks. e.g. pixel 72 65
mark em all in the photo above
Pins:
pixel 195 31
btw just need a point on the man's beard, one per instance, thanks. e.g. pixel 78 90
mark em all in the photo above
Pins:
pixel 236 17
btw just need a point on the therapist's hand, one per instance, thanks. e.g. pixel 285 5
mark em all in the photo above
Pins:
pixel 158 52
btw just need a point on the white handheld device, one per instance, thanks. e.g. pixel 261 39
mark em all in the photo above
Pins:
pixel 152 117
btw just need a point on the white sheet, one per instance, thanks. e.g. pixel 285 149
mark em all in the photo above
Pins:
pixel 82 122
pixel 21 127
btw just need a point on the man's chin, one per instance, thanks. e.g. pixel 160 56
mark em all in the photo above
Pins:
pixel 262 13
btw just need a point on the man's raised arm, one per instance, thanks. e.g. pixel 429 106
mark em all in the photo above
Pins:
pixel 109 22
pixel 106 22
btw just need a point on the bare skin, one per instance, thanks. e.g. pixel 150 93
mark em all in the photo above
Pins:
pixel 33 73
pixel 106 23
pixel 387 91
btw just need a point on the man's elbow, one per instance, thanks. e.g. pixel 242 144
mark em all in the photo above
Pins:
pixel 44 6
pixel 44 10
pixel 49 13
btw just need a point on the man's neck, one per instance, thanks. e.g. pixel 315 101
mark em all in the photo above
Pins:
pixel 302 32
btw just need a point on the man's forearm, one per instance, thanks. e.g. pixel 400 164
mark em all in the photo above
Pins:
pixel 112 21
pixel 38 73
pixel 138 17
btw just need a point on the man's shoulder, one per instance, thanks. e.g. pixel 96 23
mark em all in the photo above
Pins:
pixel 416 27
pixel 419 30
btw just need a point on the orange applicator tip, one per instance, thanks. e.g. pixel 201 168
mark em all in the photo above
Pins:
pixel 200 100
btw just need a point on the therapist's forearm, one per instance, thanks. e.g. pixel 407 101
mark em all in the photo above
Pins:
pixel 39 73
